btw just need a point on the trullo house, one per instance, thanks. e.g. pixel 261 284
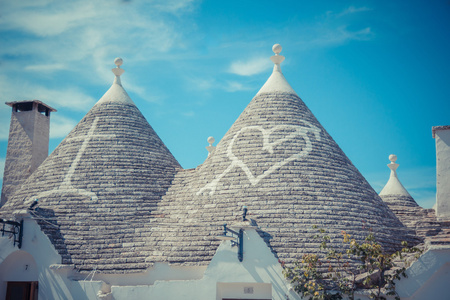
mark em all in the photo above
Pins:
pixel 110 213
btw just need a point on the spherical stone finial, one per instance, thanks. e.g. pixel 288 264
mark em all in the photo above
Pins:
pixel 210 148
pixel 276 49
pixel 393 158
pixel 118 62
pixel 117 70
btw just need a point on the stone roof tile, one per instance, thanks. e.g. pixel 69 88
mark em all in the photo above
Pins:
pixel 100 185
pixel 113 198
pixel 279 161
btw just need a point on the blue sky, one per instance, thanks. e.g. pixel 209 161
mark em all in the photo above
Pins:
pixel 375 73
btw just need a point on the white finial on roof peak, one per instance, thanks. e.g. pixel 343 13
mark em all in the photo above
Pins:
pixel 210 148
pixel 118 61
pixel 116 92
pixel 117 70
pixel 276 82
pixel 277 49
pixel 277 58
pixel 393 186
pixel 393 166
pixel 393 158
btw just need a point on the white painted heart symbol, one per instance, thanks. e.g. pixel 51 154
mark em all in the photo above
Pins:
pixel 267 146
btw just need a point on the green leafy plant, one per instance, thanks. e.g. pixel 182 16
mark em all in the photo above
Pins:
pixel 331 275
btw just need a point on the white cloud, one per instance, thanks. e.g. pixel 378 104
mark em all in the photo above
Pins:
pixel 328 37
pixel 48 21
pixel 234 86
pixel 52 18
pixel 352 10
pixel 71 97
pixel 153 97
pixel 250 67
pixel 333 29
pixel 85 35
pixel 60 126
pixel 46 67
pixel 173 6
pixel 15 90
pixel 205 85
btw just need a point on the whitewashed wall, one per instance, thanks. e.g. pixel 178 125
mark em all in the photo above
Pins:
pixel 38 253
pixel 225 276
pixel 442 138
pixel 259 276
pixel 428 277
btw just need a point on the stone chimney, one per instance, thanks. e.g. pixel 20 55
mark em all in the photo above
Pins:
pixel 27 143
pixel 442 136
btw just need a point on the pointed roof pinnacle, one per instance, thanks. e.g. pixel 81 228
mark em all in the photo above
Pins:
pixel 394 186
pixel 277 58
pixel 117 70
pixel 210 148
pixel 116 92
pixel 393 166
pixel 277 82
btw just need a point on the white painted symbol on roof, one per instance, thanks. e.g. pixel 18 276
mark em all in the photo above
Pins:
pixel 268 146
pixel 66 186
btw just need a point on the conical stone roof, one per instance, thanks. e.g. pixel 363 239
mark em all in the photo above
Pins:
pixel 398 199
pixel 278 160
pixel 394 193
pixel 112 197
pixel 100 185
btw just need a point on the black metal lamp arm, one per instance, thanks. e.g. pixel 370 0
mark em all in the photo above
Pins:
pixel 239 242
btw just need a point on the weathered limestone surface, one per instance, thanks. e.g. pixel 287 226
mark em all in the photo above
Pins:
pixel 27 148
pixel 98 189
pixel 320 187
pixel 404 201
pixel 423 221
pixel 113 199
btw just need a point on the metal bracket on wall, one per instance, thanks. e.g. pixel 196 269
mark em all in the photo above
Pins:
pixel 235 241
pixel 15 229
